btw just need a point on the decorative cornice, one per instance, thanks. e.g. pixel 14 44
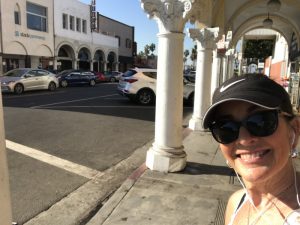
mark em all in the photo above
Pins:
pixel 208 37
pixel 171 15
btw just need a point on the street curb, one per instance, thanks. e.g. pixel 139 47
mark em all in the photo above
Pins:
pixel 117 197
pixel 81 205
pixel 104 212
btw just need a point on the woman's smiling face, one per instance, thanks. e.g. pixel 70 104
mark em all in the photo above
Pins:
pixel 255 158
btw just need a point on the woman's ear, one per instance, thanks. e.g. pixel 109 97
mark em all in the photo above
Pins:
pixel 295 125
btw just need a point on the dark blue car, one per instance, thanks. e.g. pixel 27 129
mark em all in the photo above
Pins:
pixel 77 78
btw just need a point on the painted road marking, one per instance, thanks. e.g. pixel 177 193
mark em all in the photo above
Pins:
pixel 76 100
pixel 53 160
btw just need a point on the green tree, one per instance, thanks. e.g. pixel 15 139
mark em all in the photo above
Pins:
pixel 259 49
pixel 152 49
pixel 186 53
pixel 193 56
pixel 147 50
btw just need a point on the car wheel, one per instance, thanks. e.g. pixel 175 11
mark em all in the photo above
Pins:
pixel 51 86
pixel 64 83
pixel 145 97
pixel 19 89
pixel 92 83
pixel 112 79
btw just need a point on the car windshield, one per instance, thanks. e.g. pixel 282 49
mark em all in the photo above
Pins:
pixel 15 73
pixel 129 73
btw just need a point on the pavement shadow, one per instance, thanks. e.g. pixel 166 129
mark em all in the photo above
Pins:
pixel 193 168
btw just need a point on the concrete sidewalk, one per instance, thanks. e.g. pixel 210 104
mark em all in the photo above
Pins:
pixel 197 195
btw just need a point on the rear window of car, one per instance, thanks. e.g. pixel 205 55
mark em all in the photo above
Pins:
pixel 129 73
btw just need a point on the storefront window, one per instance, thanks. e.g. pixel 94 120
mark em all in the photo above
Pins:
pixel 36 17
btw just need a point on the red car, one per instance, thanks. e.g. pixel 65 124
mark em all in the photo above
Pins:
pixel 100 76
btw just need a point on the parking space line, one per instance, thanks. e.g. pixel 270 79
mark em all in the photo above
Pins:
pixel 53 160
pixel 76 100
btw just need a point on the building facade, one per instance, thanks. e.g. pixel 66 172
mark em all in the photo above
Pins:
pixel 61 35
pixel 125 36
pixel 77 44
pixel 23 23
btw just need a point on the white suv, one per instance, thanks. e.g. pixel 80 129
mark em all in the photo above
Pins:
pixel 139 84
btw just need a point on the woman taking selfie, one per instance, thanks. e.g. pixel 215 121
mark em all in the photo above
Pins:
pixel 252 118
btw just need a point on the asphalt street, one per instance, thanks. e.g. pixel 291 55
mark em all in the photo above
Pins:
pixel 58 141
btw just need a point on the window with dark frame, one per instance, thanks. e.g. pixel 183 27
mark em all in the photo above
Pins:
pixel 17 17
pixel 72 27
pixel 78 24
pixel 36 17
pixel 119 40
pixel 65 21
pixel 84 28
pixel 128 43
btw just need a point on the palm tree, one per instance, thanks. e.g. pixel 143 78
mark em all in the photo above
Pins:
pixel 194 55
pixel 152 49
pixel 147 50
pixel 185 55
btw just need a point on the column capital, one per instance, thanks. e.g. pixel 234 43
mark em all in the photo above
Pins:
pixel 207 37
pixel 171 15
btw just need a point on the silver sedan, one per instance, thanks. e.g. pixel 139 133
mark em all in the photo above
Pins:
pixel 26 79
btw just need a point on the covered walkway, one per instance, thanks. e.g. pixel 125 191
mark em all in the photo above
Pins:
pixel 220 24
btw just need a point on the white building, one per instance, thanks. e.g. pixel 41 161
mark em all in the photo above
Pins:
pixel 22 24
pixel 54 35
pixel 76 46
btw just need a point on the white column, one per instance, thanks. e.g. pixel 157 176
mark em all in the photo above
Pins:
pixel 215 72
pixel 224 68
pixel 55 63
pixel 5 205
pixel 75 64
pixel 206 41
pixel 105 65
pixel 167 152
pixel 91 65
pixel 230 57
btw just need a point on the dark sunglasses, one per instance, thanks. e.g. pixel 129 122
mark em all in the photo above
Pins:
pixel 260 124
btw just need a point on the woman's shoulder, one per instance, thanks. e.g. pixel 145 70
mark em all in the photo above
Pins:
pixel 236 197
pixel 235 200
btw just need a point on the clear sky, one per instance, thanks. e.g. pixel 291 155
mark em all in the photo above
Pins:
pixel 131 13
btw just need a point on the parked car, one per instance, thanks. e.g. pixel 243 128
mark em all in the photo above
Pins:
pixel 27 79
pixel 77 78
pixel 99 76
pixel 139 84
pixel 65 72
pixel 112 76
pixel 191 76
pixel 188 92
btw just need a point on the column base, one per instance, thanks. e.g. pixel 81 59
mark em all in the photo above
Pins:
pixel 196 124
pixel 165 162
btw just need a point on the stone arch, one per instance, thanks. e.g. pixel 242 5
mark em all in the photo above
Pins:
pixel 99 60
pixel 44 50
pixel 84 58
pixel 65 56
pixel 16 46
pixel 112 60
pixel 283 26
